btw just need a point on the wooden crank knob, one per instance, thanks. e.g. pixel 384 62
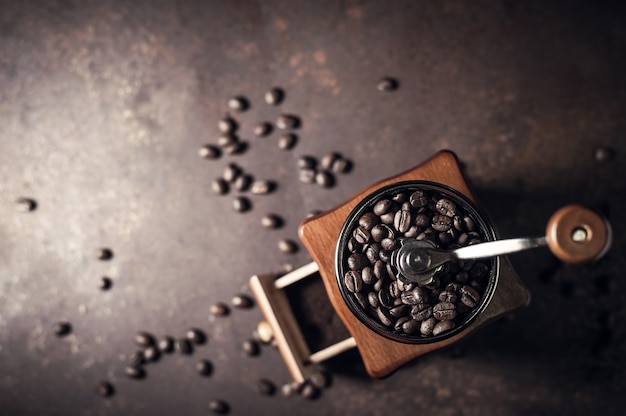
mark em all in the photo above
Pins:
pixel 576 234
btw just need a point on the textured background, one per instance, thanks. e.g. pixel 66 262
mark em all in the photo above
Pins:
pixel 104 104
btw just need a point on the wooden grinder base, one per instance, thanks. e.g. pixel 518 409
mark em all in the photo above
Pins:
pixel 381 356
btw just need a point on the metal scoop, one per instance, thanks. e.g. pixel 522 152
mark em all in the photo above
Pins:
pixel 574 234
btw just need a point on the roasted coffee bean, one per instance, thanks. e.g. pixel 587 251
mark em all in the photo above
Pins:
pixel 384 317
pixel 453 287
pixel 421 312
pixel 327 161
pixel 104 253
pixel 444 239
pixel 241 204
pixel 219 407
pixel 262 129
pixel 238 103
pixel 184 346
pixel 357 261
pixel 309 391
pixel 415 296
pixel 406 206
pixel 135 372
pixel 411 326
pixel 402 221
pixel 384 298
pixel 379 284
pixel 418 199
pixel 371 252
pixel 144 339
pixel 105 283
pixel 378 233
pixel 307 175
pixel 242 301
pixel 361 235
pixel 137 358
pixel 242 183
pixel 196 336
pixel 412 232
pixel 458 223
pixel 387 84
pixel 289 389
pixel 469 223
pixel 320 379
pixel 401 320
pixel 446 207
pixel 341 165
pixel 274 96
pixel 307 162
pixel 104 389
pixel 381 207
pixel 227 125
pixel 422 220
pixel 219 309
pixel 231 172
pixel 444 311
pixel 271 221
pixel 398 311
pixel 388 217
pixel 209 151
pixel 204 367
pixel 367 275
pixel 250 347
pixel 441 222
pixel 236 148
pixel 353 281
pixel 288 122
pixel 469 296
pixel 219 186
pixel 361 299
pixel 479 271
pixel 393 290
pixel 25 204
pixel 385 255
pixel 604 154
pixel 265 387
pixel 287 141
pixel 368 220
pixel 442 326
pixel 166 344
pixel 227 139
pixel 353 246
pixel 152 354
pixel 372 299
pixel 380 270
pixel 463 239
pixel 447 296
pixel 400 197
pixel 325 179
pixel 427 326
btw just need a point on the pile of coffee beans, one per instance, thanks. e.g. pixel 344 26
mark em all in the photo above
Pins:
pixel 407 308
pixel 322 172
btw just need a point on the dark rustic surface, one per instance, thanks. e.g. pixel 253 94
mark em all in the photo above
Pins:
pixel 104 104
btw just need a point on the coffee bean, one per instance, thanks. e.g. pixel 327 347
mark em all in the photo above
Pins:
pixel 441 222
pixel 604 154
pixel 238 103
pixel 287 246
pixel 387 84
pixel 398 311
pixel 265 332
pixel 307 162
pixel 401 320
pixel 288 122
pixel 227 125
pixel 367 275
pixel 446 207
pixel 442 326
pixel 25 204
pixel 262 187
pixel 372 299
pixel 427 326
pixel 385 255
pixel 411 326
pixel 262 129
pixel 144 339
pixel 135 372
pixel 353 246
pixel 394 291
pixel 184 346
pixel 104 389
pixel 414 297
pixel 137 358
pixel 368 220
pixel 219 309
pixel 372 251
pixel 265 387
pixel 385 299
pixel 444 311
pixel 470 225
pixel 361 299
pixel 353 281
pixel 204 367
pixel 236 148
pixel 357 261
pixel 289 389
pixel 209 152
pixel 152 354
pixel 479 271
pixel 250 348
pixel 104 253
pixel 287 141
pixel 469 296
pixel 105 283
pixel 219 407
pixel 463 239
pixel 271 221
pixel 447 296
pixel 341 165
pixel 412 232
pixel 219 186
pixel 309 391
pixel 166 344
pixel 242 302
pixel 384 317
pixel 381 207
pixel 196 336
pixel 361 235
pixel 445 239
pixel 380 270
pixel 242 183
pixel 388 217
pixel 418 199
pixel 378 233
pixel 327 161
pixel 324 179
pixel 274 96
pixel 227 140
pixel 422 220
pixel 241 204
pixel 307 175
pixel 231 172
pixel 320 379
pixel 421 312
pixel 402 221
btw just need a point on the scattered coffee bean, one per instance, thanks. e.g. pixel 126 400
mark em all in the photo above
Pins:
pixel 104 253
pixel 604 154
pixel 262 129
pixel 137 359
pixel 289 389
pixel 166 344
pixel 219 407
pixel 238 103
pixel 307 162
pixel 274 96
pixel 209 152
pixel 226 140
pixel 227 125
pixel 104 389
pixel 196 336
pixel 241 204
pixel 236 148
pixel 231 172
pixel 320 379
pixel 105 283
pixel 144 339
pixel 251 348
pixel 271 221
pixel 327 161
pixel 135 372
pixel 287 246
pixel 341 165
pixel 325 179
pixel 288 122
pixel 309 391
pixel 265 387
pixel 242 183
pixel 25 204
pixel 306 175
pixel 264 329
pixel 62 328
pixel 262 187
pixel 219 309
pixel 219 186
pixel 314 213
pixel 184 346
pixel 387 84
pixel 152 354
pixel 287 141
pixel 204 367
pixel 242 301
